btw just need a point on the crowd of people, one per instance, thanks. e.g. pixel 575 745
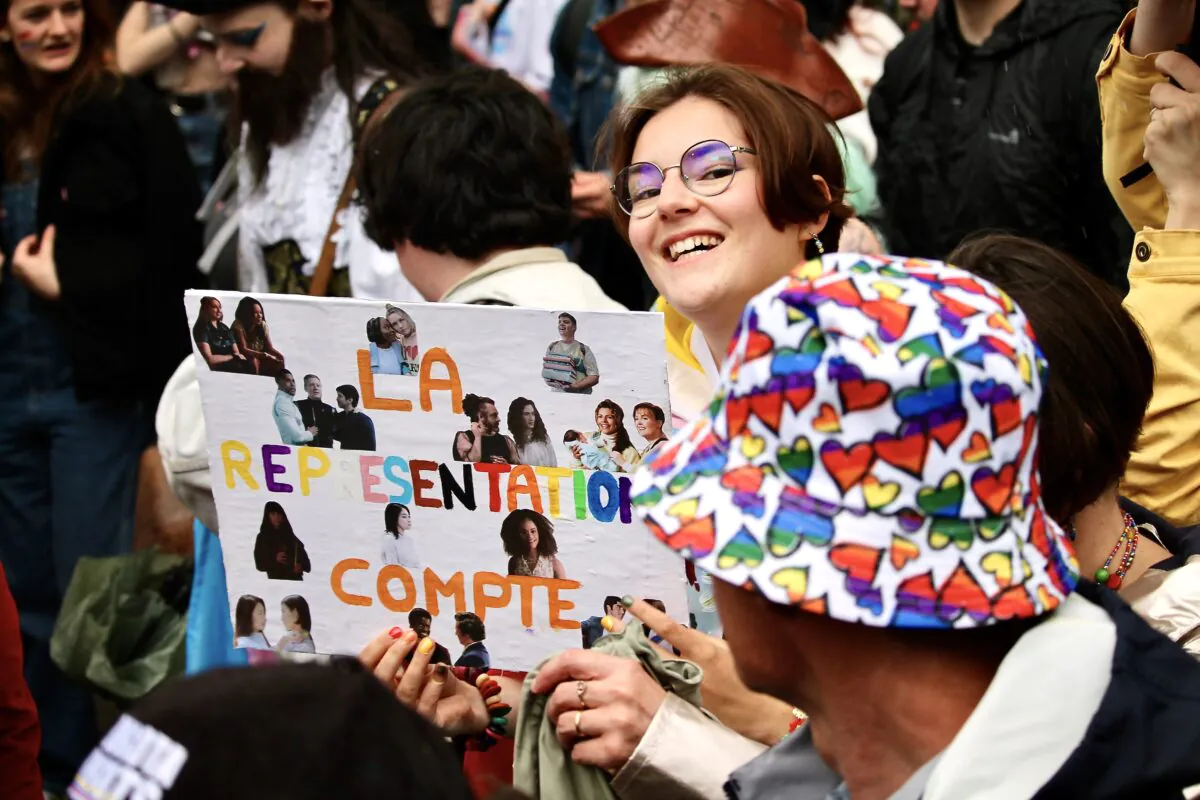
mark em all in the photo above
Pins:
pixel 971 458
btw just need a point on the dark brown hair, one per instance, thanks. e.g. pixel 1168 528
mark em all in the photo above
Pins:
pixel 1101 372
pixel 791 134
pixel 395 39
pixel 28 115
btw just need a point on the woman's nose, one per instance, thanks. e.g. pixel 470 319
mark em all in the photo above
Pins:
pixel 675 197
pixel 227 63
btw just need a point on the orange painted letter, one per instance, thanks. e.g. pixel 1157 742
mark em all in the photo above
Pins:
pixel 450 383
pixel 387 575
pixel 483 600
pixel 367 381
pixel 335 581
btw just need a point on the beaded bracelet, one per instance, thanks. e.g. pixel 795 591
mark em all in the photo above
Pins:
pixel 497 711
pixel 798 719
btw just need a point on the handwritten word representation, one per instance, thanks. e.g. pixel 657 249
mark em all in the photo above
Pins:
pixel 566 493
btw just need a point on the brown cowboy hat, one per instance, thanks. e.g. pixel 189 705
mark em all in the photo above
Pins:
pixel 768 37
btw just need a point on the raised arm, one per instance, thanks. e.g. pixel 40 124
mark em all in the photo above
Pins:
pixel 141 49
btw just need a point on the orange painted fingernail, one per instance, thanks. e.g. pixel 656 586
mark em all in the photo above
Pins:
pixel 396 632
pixel 426 646
pixel 607 623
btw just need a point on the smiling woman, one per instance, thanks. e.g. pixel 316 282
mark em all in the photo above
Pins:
pixel 725 181
pixel 80 237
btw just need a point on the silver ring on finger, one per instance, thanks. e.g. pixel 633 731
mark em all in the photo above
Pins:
pixel 580 690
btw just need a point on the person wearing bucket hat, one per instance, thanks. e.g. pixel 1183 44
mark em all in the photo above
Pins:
pixel 865 491
pixel 309 75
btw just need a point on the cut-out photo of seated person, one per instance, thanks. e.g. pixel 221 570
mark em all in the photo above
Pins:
pixel 249 622
pixel 253 338
pixel 277 550
pixel 288 418
pixel 399 548
pixel 528 538
pixel 610 438
pixel 352 429
pixel 316 413
pixel 590 456
pixel 483 440
pixel 297 621
pixel 530 435
pixel 569 365
pixel 215 341
pixel 648 420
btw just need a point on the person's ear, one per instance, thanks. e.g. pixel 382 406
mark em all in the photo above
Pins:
pixel 5 36
pixel 820 222
pixel 319 10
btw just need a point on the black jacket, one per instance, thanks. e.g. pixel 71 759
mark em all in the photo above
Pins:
pixel 320 415
pixel 1145 740
pixel 1003 136
pixel 117 183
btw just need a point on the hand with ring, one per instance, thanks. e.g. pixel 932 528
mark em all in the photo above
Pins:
pixel 601 705
pixel 752 714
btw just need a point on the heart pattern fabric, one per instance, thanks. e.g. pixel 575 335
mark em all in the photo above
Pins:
pixel 871 452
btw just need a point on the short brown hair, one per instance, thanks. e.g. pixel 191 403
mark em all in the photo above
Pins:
pixel 1101 372
pixel 792 136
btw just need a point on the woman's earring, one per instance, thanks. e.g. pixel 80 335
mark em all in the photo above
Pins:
pixel 820 247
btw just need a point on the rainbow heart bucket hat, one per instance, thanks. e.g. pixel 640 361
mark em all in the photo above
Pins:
pixel 871 453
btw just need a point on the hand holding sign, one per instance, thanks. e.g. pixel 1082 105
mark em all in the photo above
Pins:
pixel 1173 138
pixel 753 715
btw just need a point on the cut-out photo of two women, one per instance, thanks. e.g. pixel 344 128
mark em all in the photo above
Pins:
pixel 250 624
pixel 606 447
pixel 392 342
pixel 246 348
pixel 609 447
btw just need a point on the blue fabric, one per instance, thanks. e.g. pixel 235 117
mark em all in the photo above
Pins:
pixel 68 482
pixel 202 131
pixel 33 345
pixel 210 627
pixel 583 100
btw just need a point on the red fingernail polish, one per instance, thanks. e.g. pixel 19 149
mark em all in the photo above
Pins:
pixel 396 632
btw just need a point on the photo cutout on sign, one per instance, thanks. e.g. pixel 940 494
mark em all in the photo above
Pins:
pixel 608 447
pixel 297 622
pixel 399 546
pixel 252 336
pixel 352 429
pixel 482 440
pixel 528 539
pixel 250 623
pixel 278 552
pixel 529 434
pixel 393 344
pixel 569 365
pixel 650 422
pixel 216 342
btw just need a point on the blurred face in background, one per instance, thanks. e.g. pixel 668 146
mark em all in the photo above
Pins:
pixel 257 37
pixel 47 35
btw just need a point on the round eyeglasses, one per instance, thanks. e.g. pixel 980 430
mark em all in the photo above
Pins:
pixel 707 168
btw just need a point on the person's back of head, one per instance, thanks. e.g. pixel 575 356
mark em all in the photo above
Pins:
pixel 304 732
pixel 486 160
pixel 1101 374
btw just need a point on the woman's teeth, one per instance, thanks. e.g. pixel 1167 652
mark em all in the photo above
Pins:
pixel 693 244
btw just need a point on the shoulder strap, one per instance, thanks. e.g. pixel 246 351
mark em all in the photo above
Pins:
pixel 374 101
pixel 572 22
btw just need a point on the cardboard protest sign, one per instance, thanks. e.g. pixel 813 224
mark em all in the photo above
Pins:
pixel 369 460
